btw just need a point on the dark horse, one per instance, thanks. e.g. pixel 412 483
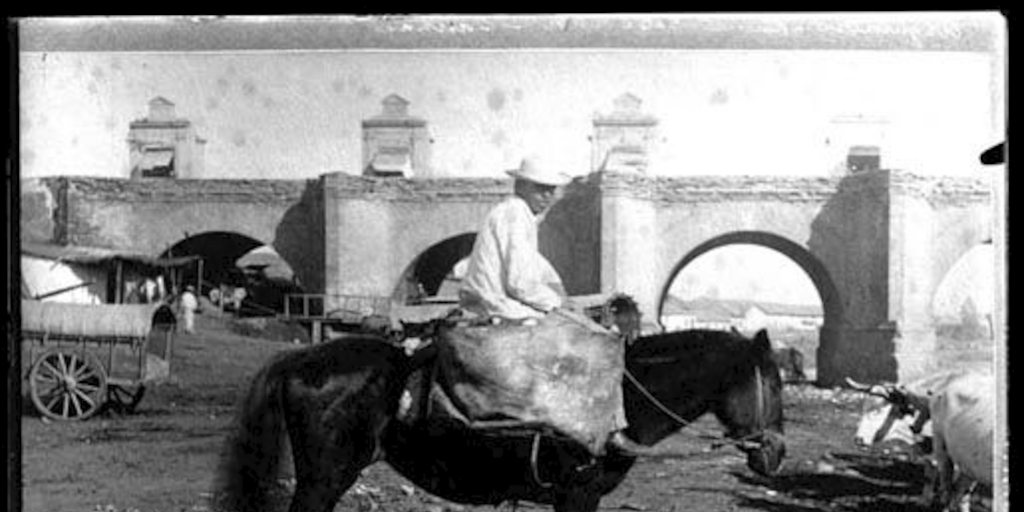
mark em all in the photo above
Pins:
pixel 337 404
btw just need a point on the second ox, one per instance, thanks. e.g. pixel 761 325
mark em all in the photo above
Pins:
pixel 956 410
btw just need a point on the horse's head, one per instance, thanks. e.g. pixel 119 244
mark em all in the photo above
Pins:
pixel 679 376
pixel 752 407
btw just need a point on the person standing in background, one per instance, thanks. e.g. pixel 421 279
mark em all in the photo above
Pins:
pixel 188 303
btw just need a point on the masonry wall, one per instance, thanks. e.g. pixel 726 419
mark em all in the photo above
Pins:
pixel 151 215
pixel 865 242
pixel 876 244
pixel 659 221
pixel 376 227
pixel 932 224
pixel 570 237
pixel 850 235
pixel 38 209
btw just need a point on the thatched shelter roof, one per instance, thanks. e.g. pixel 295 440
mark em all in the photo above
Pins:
pixel 98 255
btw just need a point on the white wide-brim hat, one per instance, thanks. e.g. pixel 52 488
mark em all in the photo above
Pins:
pixel 535 170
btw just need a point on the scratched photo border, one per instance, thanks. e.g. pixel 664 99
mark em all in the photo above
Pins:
pixel 967 32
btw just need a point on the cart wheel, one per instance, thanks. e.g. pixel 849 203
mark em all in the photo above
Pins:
pixel 125 399
pixel 67 386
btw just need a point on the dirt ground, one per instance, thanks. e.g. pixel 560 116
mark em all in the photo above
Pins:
pixel 162 458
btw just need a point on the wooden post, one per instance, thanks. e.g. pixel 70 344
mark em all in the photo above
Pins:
pixel 117 282
pixel 199 280
pixel 317 333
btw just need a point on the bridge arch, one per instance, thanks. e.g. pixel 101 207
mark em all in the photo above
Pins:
pixel 963 303
pixel 812 266
pixel 221 251
pixel 425 276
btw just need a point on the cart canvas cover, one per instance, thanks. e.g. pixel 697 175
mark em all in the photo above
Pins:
pixel 93 320
pixel 564 373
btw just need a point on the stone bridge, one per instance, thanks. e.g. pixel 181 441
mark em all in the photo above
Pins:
pixel 876 244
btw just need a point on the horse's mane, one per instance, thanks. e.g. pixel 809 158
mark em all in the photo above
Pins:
pixel 700 351
pixel 689 341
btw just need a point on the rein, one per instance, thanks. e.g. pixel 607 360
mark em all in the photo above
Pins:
pixel 655 402
pixel 684 423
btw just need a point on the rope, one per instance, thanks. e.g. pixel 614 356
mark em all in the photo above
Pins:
pixel 657 403
pixel 533 463
pixel 683 422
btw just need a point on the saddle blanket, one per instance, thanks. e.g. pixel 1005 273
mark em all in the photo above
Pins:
pixel 563 373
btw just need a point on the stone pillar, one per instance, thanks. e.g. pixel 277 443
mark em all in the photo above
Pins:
pixel 395 143
pixel 630 260
pixel 851 237
pixel 864 353
pixel 877 235
pixel 622 140
pixel 358 238
pixel 570 237
pixel 911 285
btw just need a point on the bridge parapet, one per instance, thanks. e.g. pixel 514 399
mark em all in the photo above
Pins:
pixel 186 190
pixel 417 190
pixel 941 190
pixel 119 190
pixel 937 190
pixel 663 189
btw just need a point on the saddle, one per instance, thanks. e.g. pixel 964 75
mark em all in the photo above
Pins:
pixel 561 375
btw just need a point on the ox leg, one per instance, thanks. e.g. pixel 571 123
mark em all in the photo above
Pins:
pixel 931 492
pixel 944 465
pixel 961 498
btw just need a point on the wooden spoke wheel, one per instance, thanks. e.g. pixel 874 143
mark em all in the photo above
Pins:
pixel 124 399
pixel 67 385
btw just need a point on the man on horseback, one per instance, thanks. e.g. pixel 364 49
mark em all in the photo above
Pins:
pixel 508 280
pixel 507 277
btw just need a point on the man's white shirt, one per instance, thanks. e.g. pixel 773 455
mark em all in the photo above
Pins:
pixel 506 275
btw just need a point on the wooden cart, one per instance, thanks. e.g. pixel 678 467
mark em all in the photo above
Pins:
pixel 79 358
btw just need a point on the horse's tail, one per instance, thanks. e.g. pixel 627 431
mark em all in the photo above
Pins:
pixel 253 453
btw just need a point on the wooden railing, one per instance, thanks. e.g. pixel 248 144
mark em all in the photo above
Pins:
pixel 319 305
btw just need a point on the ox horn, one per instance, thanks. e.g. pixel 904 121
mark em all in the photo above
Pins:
pixel 876 390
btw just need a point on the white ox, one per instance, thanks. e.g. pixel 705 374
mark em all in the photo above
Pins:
pixel 960 407
pixel 962 426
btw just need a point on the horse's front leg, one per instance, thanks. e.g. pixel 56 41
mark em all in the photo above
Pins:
pixel 577 499
pixel 331 446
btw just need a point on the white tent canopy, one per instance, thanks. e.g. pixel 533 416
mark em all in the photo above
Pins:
pixel 266 258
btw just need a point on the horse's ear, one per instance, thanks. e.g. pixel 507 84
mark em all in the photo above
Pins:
pixel 761 338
